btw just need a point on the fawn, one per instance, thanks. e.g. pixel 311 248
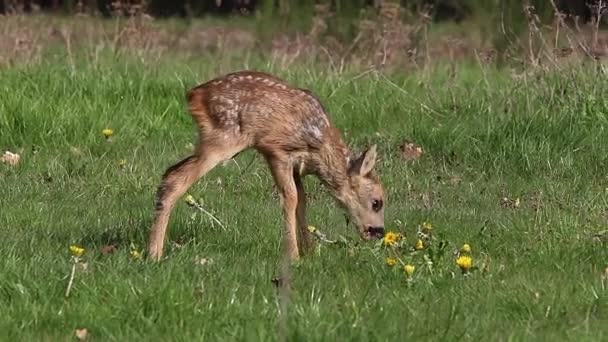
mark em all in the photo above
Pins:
pixel 291 129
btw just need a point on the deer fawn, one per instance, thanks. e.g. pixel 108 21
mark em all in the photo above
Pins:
pixel 291 129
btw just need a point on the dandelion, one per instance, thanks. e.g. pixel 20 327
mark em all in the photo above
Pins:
pixel 320 235
pixel 466 248
pixel 427 226
pixel 391 262
pixel 190 200
pixel 409 269
pixel 122 162
pixel 465 263
pixel 107 133
pixel 135 254
pixel 76 251
pixel 419 245
pixel 390 238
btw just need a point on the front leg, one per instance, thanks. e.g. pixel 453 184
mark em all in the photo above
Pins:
pixel 305 239
pixel 282 172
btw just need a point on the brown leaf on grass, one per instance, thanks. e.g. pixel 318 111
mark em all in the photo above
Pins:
pixel 506 202
pixel 410 151
pixel 10 158
pixel 108 249
pixel 81 334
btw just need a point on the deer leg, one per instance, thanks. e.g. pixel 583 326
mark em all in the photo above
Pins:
pixel 305 241
pixel 282 173
pixel 175 182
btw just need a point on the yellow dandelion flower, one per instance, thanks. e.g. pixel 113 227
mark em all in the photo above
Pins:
pixel 466 248
pixel 122 162
pixel 409 269
pixel 390 238
pixel 427 226
pixel 419 245
pixel 107 132
pixel 391 262
pixel 312 229
pixel 135 254
pixel 76 251
pixel 465 262
pixel 190 200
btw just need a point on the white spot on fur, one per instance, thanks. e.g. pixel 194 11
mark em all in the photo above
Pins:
pixel 316 132
pixel 226 110
pixel 312 130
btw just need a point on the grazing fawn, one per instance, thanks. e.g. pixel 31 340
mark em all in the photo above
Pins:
pixel 291 129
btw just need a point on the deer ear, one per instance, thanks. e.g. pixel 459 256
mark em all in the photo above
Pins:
pixel 365 163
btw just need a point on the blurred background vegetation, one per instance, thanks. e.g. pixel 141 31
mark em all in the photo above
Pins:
pixel 369 33
pixel 456 10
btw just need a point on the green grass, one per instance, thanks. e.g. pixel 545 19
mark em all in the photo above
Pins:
pixel 540 138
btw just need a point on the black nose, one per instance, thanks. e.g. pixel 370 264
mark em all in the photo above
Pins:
pixel 377 232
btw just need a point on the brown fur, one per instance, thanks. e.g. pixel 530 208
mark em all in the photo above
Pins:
pixel 291 129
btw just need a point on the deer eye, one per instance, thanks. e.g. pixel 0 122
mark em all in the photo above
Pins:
pixel 376 205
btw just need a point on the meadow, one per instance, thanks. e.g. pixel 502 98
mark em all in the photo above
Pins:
pixel 513 163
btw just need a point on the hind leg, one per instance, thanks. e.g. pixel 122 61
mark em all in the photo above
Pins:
pixel 176 181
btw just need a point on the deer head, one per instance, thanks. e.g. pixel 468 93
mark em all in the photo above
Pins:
pixel 363 196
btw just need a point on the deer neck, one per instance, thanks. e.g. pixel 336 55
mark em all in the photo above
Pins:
pixel 333 164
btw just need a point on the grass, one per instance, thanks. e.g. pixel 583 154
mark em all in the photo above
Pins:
pixel 486 136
